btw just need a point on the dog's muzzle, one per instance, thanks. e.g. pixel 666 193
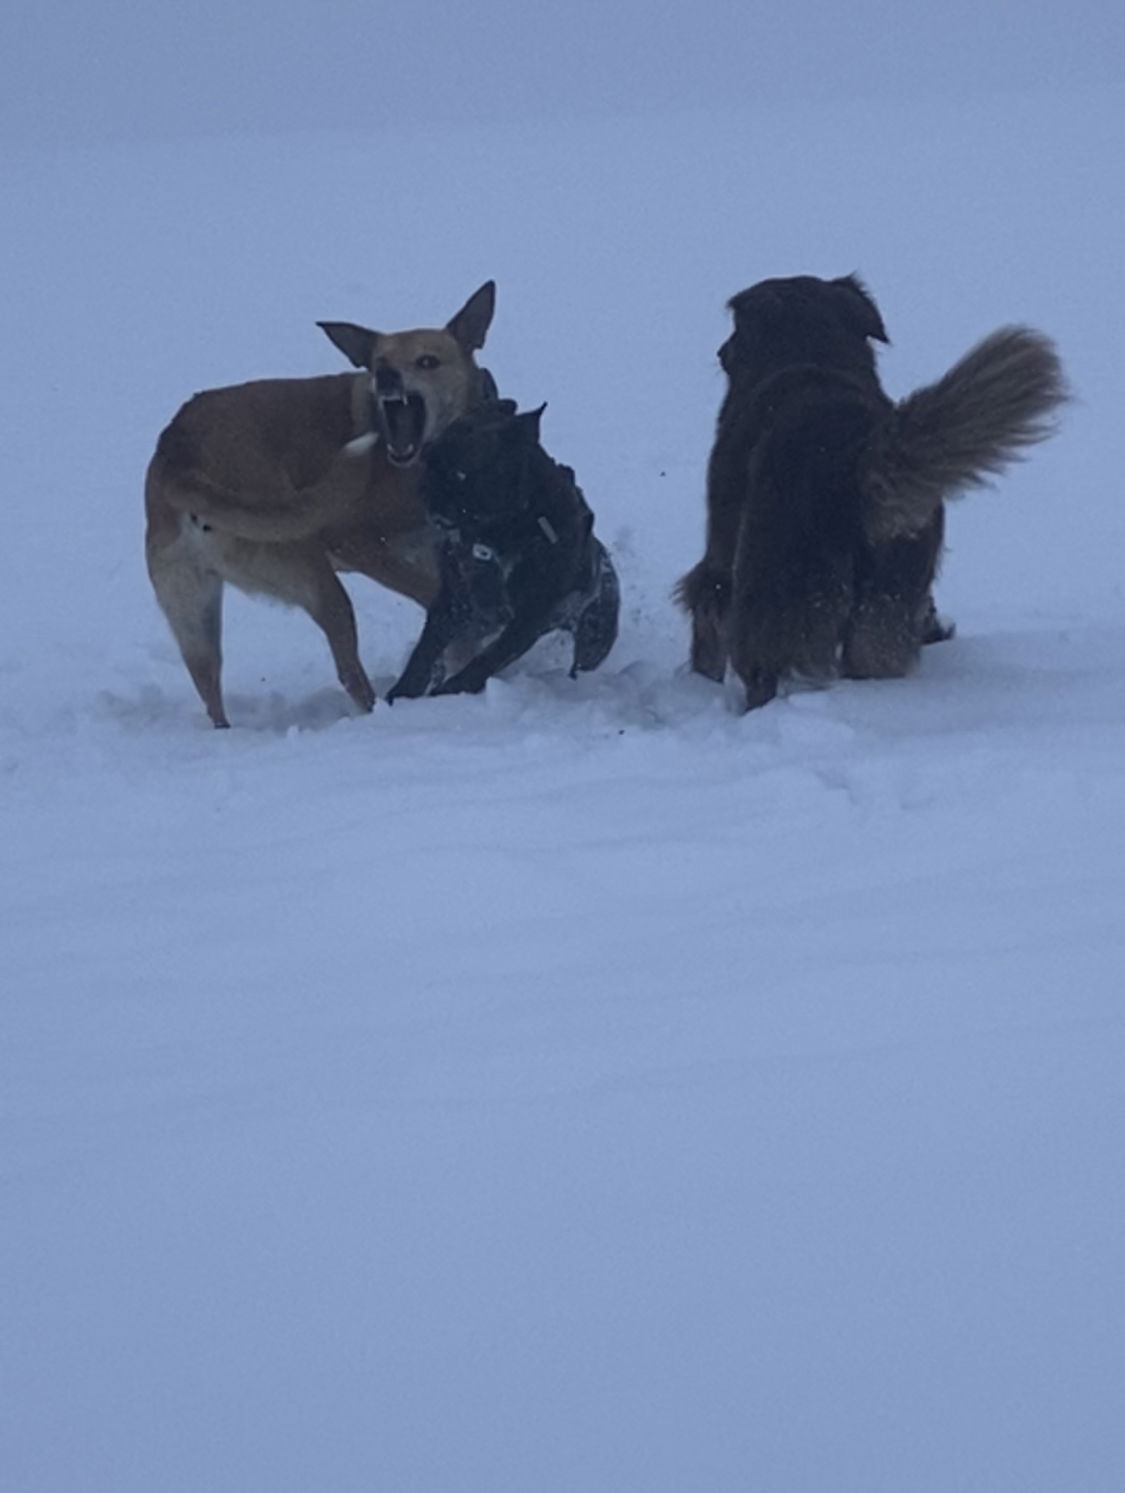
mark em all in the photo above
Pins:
pixel 398 415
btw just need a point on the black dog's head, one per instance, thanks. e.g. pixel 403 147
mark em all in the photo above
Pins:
pixel 477 472
pixel 779 323
pixel 476 478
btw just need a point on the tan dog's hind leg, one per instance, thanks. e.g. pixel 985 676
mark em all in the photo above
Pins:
pixel 188 574
pixel 191 597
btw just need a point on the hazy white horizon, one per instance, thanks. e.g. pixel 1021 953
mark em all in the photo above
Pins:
pixel 131 70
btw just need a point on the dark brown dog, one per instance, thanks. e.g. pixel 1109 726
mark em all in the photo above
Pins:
pixel 825 499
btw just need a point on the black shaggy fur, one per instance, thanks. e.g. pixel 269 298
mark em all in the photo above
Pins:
pixel 825 499
pixel 517 556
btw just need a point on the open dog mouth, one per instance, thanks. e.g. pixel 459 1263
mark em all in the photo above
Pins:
pixel 400 418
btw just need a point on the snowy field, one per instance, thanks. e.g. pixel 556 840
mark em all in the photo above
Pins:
pixel 580 1088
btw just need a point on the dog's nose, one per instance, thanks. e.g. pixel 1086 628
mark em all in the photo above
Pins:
pixel 388 382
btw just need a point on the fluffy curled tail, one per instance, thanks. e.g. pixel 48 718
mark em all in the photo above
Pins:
pixel 956 434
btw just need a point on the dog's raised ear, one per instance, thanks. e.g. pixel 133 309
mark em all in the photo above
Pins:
pixel 487 391
pixel 470 325
pixel 858 309
pixel 356 343
pixel 525 426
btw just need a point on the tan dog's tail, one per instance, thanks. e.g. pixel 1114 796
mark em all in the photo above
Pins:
pixel 957 433
pixel 285 514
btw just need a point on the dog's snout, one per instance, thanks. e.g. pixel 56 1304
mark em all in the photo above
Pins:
pixel 388 382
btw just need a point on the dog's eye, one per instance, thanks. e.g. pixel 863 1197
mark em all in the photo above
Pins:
pixel 427 361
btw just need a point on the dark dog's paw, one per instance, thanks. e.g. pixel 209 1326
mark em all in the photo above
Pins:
pixel 403 690
pixel 467 682
pixel 938 629
pixel 761 687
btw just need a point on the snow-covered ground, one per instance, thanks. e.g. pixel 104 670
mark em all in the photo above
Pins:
pixel 581 1088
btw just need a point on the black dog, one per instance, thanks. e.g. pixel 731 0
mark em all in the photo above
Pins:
pixel 516 553
pixel 825 500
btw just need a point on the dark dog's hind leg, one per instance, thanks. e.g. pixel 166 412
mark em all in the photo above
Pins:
pixel 935 627
pixel 894 612
pixel 705 594
pixel 882 640
pixel 595 632
pixel 886 635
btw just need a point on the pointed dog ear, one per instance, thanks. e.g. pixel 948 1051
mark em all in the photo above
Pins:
pixel 356 343
pixel 487 391
pixel 470 325
pixel 527 424
pixel 858 309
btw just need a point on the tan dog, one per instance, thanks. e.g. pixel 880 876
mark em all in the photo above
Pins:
pixel 275 485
